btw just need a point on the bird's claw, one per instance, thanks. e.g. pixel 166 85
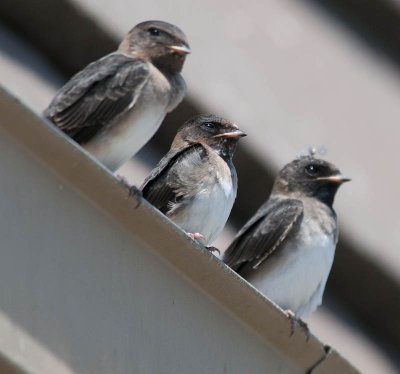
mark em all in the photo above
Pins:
pixel 297 322
pixel 133 191
pixel 196 236
pixel 213 249
pixel 200 238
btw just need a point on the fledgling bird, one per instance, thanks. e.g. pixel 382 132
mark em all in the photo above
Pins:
pixel 286 249
pixel 195 184
pixel 116 104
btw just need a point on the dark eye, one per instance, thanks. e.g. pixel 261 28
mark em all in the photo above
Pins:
pixel 154 31
pixel 209 125
pixel 312 170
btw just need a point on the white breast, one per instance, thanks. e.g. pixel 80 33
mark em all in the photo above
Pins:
pixel 208 212
pixel 118 143
pixel 295 278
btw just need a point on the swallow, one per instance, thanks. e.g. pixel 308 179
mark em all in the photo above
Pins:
pixel 116 104
pixel 286 249
pixel 195 184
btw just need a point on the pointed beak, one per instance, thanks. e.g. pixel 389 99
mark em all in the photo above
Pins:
pixel 231 135
pixel 180 49
pixel 335 179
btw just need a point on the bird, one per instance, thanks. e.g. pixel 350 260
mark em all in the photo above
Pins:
pixel 195 183
pixel 286 249
pixel 116 104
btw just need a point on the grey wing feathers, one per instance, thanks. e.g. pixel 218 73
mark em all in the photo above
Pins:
pixel 98 93
pixel 264 232
pixel 164 186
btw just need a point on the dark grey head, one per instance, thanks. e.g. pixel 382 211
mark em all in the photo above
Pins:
pixel 216 132
pixel 312 177
pixel 162 43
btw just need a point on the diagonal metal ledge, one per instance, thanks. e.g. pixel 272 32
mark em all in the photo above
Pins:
pixel 63 157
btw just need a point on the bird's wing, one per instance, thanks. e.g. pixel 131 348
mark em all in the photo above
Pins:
pixel 172 179
pixel 264 233
pixel 98 94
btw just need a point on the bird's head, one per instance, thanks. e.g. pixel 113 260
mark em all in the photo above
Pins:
pixel 161 43
pixel 211 130
pixel 312 177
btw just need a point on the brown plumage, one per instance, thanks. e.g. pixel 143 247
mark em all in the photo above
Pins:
pixel 195 183
pixel 115 104
pixel 286 249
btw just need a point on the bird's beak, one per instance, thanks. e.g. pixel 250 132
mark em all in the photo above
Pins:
pixel 335 179
pixel 231 135
pixel 180 49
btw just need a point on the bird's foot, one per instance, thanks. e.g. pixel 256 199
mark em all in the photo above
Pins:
pixel 196 236
pixel 297 322
pixel 213 249
pixel 133 191
pixel 200 238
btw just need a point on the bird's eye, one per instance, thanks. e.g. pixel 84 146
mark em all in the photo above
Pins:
pixel 209 125
pixel 154 31
pixel 312 170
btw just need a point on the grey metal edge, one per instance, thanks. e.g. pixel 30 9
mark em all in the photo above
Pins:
pixel 63 157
